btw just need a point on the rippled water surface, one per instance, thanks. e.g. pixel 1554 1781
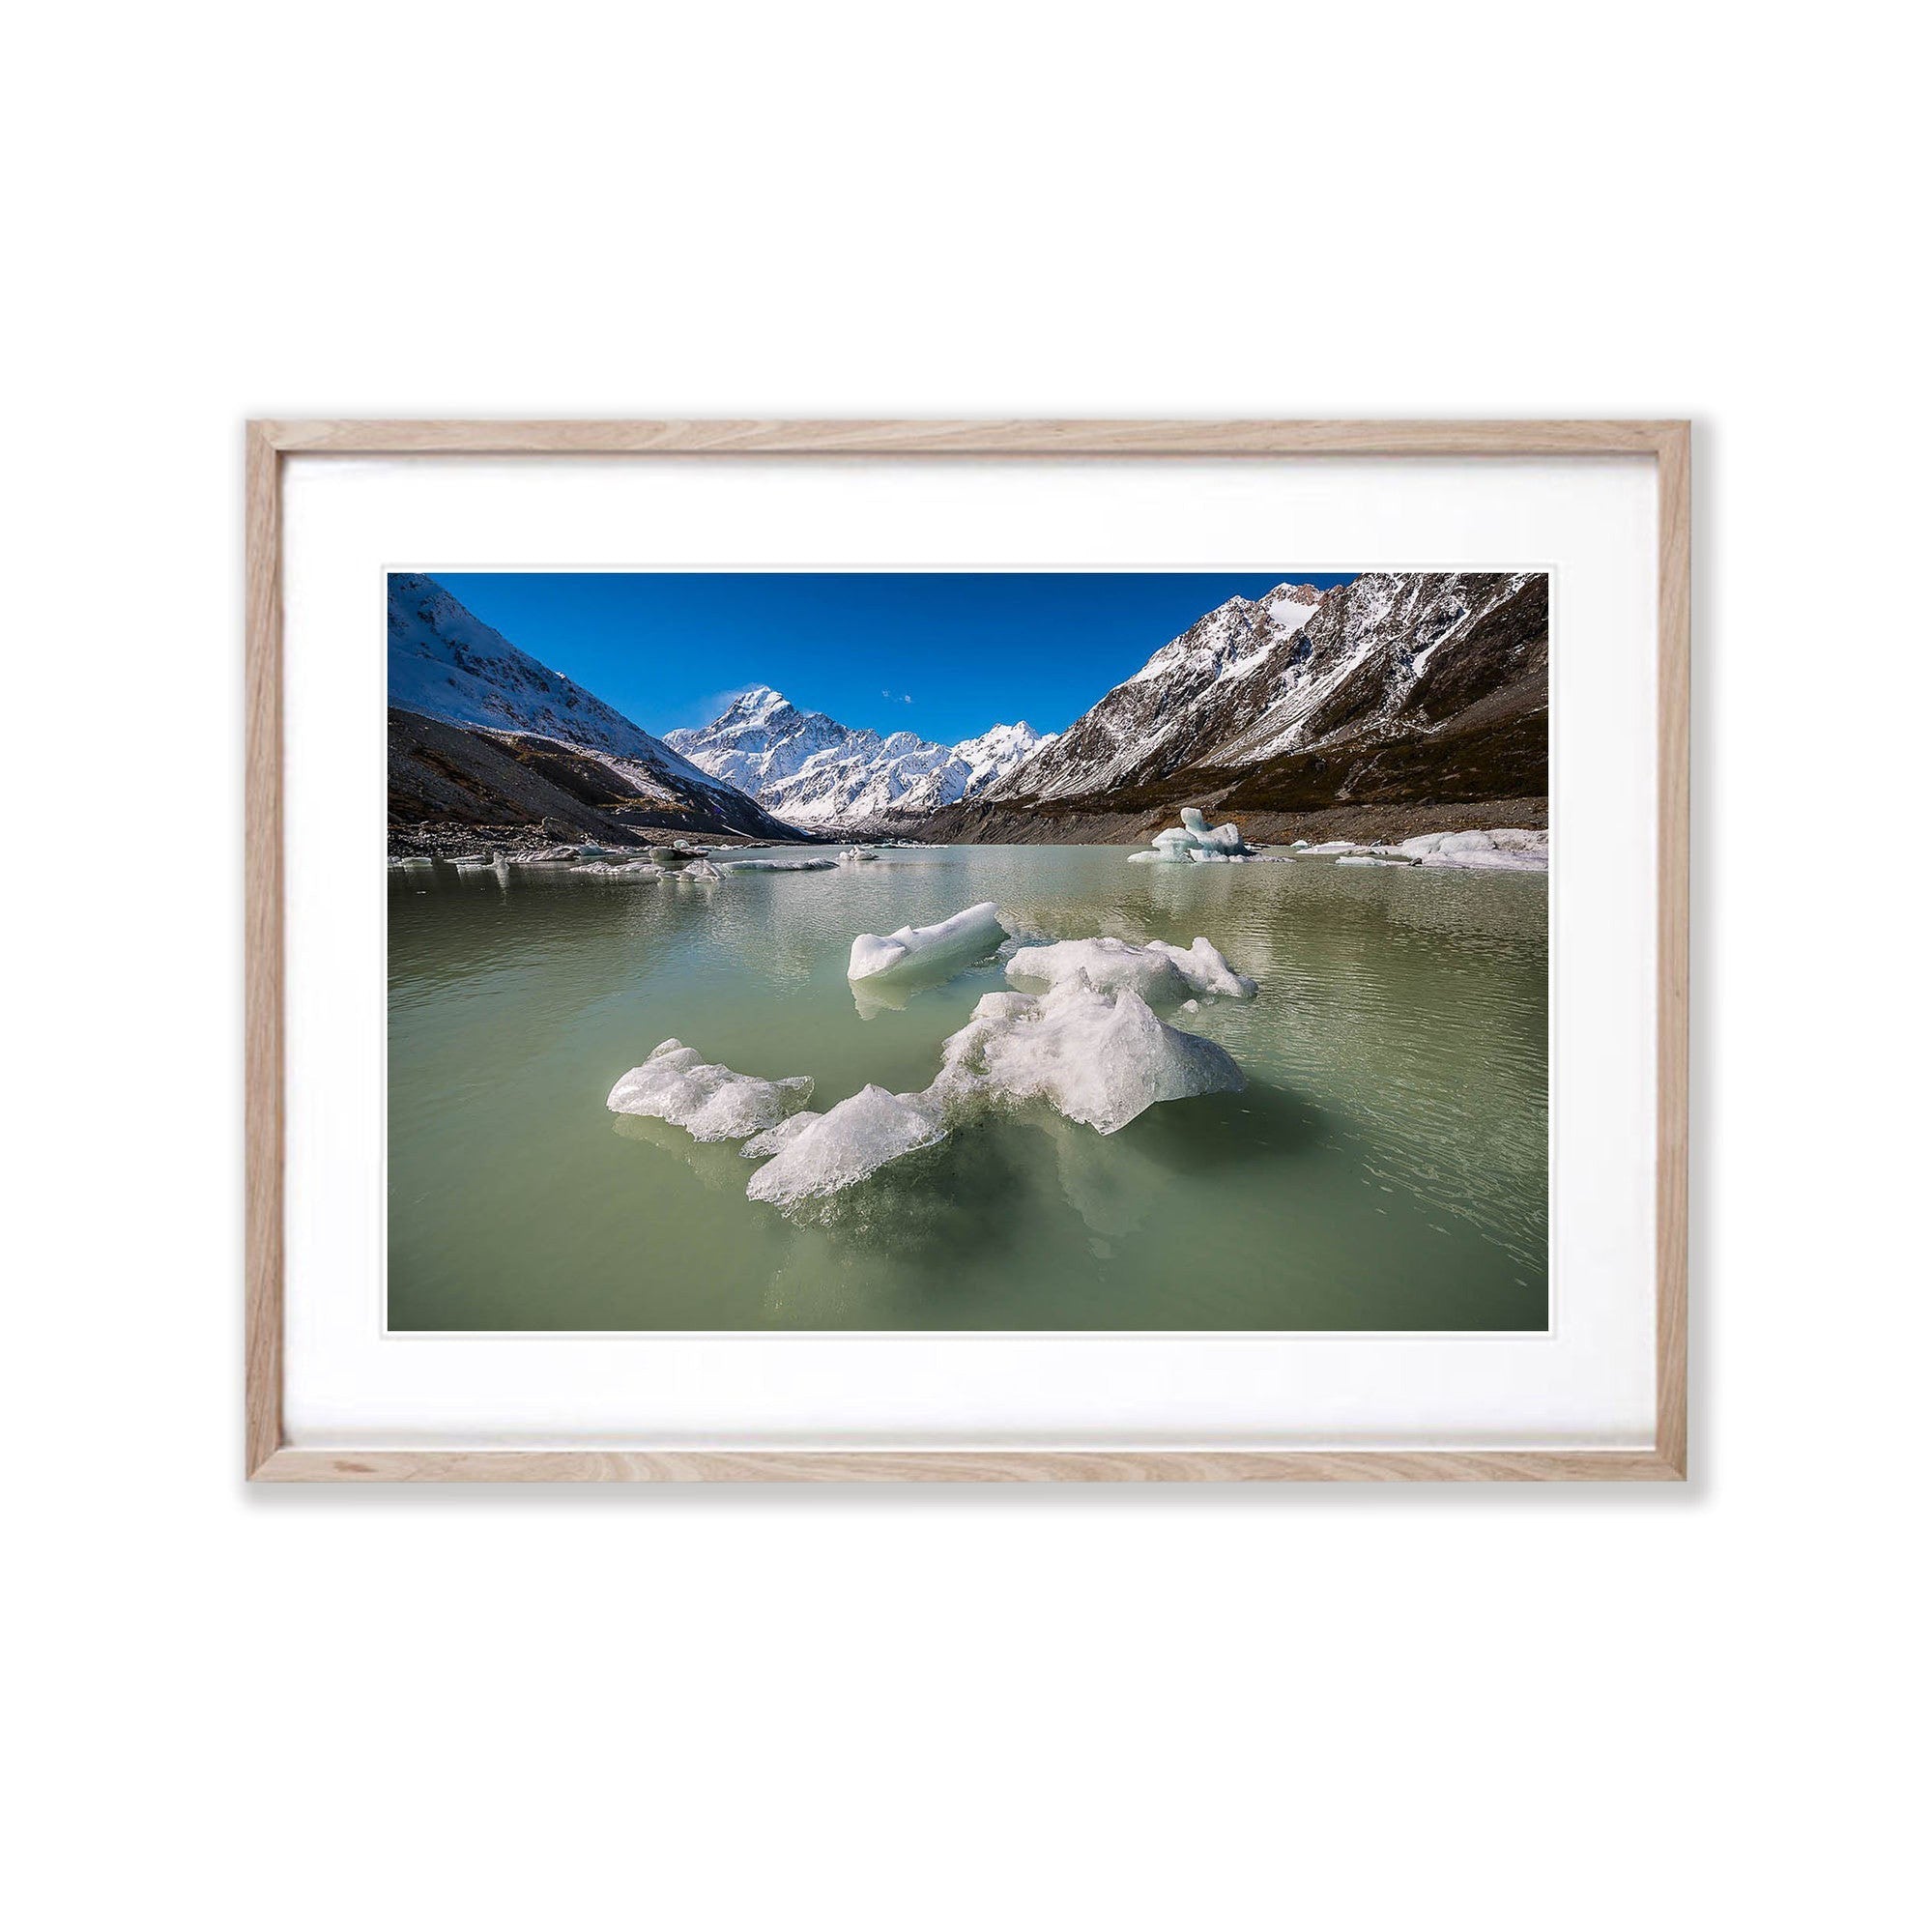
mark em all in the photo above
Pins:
pixel 1386 1166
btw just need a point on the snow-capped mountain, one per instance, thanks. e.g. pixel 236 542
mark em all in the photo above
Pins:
pixel 814 772
pixel 447 664
pixel 1381 659
pixel 1157 716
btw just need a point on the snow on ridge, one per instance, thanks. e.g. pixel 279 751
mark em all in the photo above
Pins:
pixel 1253 679
pixel 814 772
pixel 446 662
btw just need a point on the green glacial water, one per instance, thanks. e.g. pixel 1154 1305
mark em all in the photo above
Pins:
pixel 1385 1168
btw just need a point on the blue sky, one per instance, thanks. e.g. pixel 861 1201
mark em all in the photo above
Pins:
pixel 946 656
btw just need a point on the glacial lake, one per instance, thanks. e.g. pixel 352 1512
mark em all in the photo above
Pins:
pixel 1385 1168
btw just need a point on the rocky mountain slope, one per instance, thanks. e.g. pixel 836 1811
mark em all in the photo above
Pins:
pixel 482 735
pixel 820 775
pixel 1393 699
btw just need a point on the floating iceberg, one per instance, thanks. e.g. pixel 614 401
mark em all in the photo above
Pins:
pixel 1100 965
pixel 1162 974
pixel 1212 838
pixel 710 1103
pixel 1509 849
pixel 702 870
pixel 856 855
pixel 1099 1059
pixel 857 1138
pixel 1194 838
pixel 1207 970
pixel 779 865
pixel 1089 1045
pixel 914 952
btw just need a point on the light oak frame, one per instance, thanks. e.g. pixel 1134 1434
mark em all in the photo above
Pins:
pixel 270 1459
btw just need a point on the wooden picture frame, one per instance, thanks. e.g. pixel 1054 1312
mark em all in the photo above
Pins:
pixel 269 1458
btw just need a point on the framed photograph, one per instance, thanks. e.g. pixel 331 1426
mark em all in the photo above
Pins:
pixel 967 951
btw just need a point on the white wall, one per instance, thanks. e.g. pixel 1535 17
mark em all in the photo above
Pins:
pixel 1340 1708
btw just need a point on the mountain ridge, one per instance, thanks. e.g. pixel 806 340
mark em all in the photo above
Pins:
pixel 1405 699
pixel 481 732
pixel 1403 702
pixel 814 772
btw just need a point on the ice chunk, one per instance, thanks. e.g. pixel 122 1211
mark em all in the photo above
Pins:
pixel 1508 850
pixel 1176 838
pixel 1488 858
pixel 1099 1059
pixel 702 870
pixel 1368 858
pixel 1226 838
pixel 710 1103
pixel 916 951
pixel 1162 974
pixel 1102 965
pixel 774 1140
pixel 779 865
pixel 856 855
pixel 1202 856
pixel 1170 847
pixel 1206 970
pixel 857 1138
